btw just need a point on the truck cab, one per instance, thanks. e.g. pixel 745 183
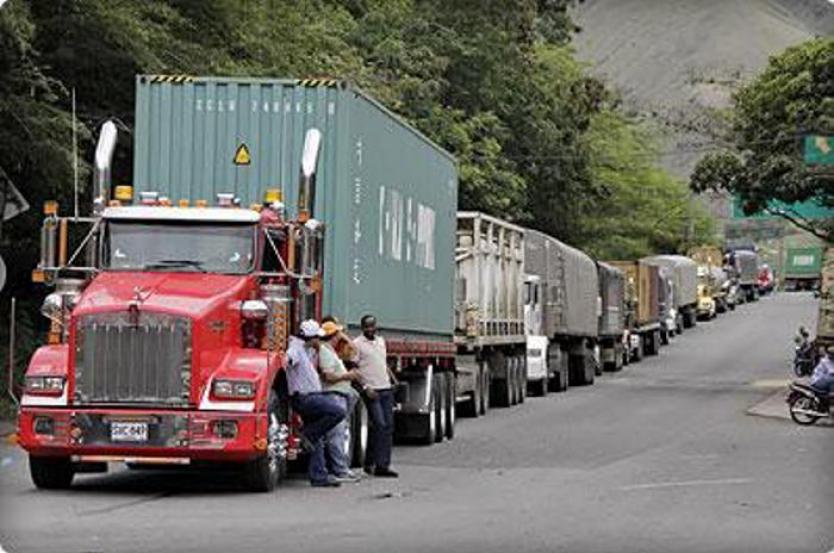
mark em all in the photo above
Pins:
pixel 537 342
pixel 166 344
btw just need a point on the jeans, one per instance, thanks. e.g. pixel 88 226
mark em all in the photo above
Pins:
pixel 381 433
pixel 824 384
pixel 336 449
pixel 320 413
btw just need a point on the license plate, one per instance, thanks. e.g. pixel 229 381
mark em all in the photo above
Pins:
pixel 128 431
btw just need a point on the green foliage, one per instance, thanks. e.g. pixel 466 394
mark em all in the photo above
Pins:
pixel 792 97
pixel 642 209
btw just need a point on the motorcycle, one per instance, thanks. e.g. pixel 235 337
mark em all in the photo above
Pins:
pixel 804 359
pixel 807 405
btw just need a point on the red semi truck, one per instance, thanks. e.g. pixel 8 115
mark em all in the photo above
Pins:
pixel 169 322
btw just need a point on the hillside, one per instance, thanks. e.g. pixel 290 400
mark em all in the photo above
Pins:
pixel 676 63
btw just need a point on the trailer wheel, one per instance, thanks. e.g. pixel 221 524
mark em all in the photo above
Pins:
pixel 638 351
pixel 51 473
pixel 472 406
pixel 485 389
pixel 265 472
pixel 427 423
pixel 439 385
pixel 653 344
pixel 522 378
pixel 451 407
pixel 500 388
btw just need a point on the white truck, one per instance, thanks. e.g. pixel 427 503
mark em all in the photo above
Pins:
pixel 491 364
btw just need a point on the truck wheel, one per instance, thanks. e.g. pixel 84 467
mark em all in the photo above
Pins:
pixel 428 422
pixel 522 378
pixel 359 434
pixel 485 389
pixel 439 384
pixel 472 406
pixel 51 473
pixel 265 472
pixel 539 388
pixel 653 344
pixel 500 388
pixel 451 407
pixel 512 381
pixel 638 351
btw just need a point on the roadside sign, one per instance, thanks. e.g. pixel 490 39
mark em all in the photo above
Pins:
pixel 819 150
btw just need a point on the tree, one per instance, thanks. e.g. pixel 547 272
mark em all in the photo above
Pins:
pixel 642 209
pixel 793 96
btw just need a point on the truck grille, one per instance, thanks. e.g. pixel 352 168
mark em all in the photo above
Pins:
pixel 137 357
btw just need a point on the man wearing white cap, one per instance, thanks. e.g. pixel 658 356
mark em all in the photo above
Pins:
pixel 320 411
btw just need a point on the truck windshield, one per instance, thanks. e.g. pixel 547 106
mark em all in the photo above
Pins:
pixel 150 246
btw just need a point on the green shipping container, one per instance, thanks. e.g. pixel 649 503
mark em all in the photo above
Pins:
pixel 387 195
pixel 803 262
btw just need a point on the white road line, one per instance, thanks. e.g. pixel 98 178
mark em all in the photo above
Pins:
pixel 686 484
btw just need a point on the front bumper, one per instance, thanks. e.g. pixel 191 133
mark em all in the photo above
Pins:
pixel 176 437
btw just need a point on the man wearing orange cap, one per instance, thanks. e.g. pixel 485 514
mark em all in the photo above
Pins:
pixel 337 380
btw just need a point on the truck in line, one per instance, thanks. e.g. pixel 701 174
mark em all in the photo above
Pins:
pixel 642 308
pixel 802 268
pixel 685 277
pixel 569 296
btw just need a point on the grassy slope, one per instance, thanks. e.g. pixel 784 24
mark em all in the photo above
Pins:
pixel 676 62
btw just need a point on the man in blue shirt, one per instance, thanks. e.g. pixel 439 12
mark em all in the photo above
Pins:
pixel 320 411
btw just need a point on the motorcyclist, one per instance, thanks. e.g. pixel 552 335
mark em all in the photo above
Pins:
pixel 823 377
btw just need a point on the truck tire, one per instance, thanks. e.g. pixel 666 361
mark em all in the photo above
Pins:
pixel 51 473
pixel 266 472
pixel 539 388
pixel 427 423
pixel 581 369
pixel 512 380
pixel 439 384
pixel 522 378
pixel 485 390
pixel 359 435
pixel 653 344
pixel 554 360
pixel 451 406
pixel 472 406
pixel 638 351
pixel 500 388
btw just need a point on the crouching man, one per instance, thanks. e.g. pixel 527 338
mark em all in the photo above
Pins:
pixel 320 411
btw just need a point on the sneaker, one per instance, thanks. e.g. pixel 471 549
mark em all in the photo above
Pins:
pixel 347 478
pixel 386 473
pixel 329 483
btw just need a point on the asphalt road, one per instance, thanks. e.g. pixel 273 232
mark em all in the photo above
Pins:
pixel 661 457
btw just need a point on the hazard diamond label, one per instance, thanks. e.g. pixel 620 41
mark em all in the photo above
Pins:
pixel 242 156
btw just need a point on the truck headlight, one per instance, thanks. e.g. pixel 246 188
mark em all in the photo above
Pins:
pixel 233 389
pixel 45 385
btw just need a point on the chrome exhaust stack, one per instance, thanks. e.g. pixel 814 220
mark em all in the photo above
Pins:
pixel 102 177
pixel 307 178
